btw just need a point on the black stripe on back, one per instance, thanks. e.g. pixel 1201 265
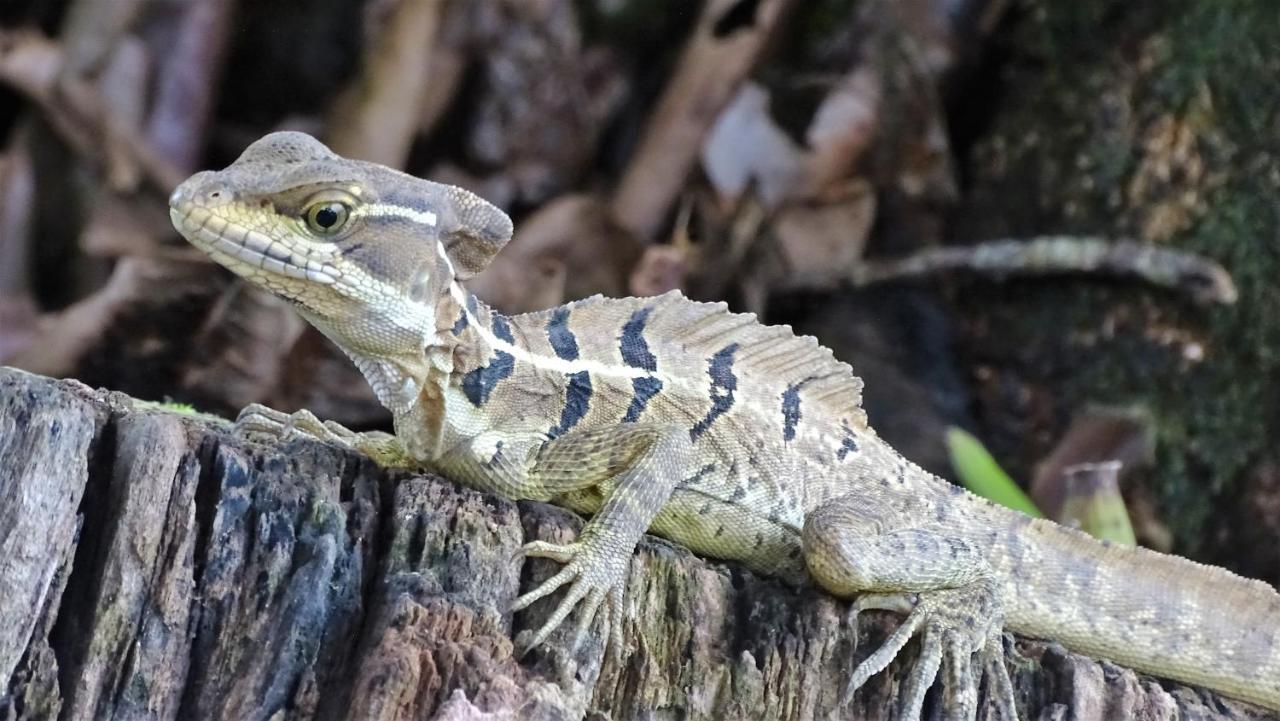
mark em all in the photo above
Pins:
pixel 723 384
pixel 791 410
pixel 635 353
pixel 479 383
pixel 577 399
pixel 501 327
pixel 562 340
pixel 642 389
pixel 791 407
pixel 848 444
pixel 633 346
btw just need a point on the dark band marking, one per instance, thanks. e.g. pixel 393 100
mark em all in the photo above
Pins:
pixel 577 399
pixel 479 383
pixel 635 353
pixel 460 324
pixel 501 327
pixel 723 384
pixel 848 444
pixel 642 390
pixel 791 406
pixel 701 474
pixel 633 346
pixel 790 411
pixel 562 340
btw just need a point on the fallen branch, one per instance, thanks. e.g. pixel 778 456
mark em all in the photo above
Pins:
pixel 1204 280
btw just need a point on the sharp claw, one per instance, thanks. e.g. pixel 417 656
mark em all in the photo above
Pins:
pixel 876 662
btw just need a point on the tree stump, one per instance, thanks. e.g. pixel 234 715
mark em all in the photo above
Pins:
pixel 153 566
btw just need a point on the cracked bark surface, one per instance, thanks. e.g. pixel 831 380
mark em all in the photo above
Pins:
pixel 155 567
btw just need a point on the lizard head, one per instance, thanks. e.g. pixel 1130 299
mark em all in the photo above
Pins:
pixel 366 252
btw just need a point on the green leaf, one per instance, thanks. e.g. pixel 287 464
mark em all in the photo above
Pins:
pixel 980 473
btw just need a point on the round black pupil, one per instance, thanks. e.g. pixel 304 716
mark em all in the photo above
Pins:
pixel 326 217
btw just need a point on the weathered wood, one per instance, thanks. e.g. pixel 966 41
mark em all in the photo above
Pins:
pixel 213 578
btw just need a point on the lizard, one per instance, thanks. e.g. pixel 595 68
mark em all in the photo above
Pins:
pixel 739 440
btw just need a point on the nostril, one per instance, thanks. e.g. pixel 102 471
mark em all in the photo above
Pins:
pixel 218 194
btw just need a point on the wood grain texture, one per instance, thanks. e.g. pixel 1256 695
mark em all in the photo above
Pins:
pixel 211 578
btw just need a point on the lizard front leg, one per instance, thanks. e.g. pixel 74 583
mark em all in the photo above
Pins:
pixel 633 468
pixel 855 546
pixel 384 448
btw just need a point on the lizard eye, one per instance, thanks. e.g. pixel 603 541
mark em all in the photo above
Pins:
pixel 327 217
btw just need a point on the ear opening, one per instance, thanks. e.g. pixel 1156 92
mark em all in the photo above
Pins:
pixel 482 230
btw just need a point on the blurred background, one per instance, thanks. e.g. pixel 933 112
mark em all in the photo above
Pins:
pixel 1046 232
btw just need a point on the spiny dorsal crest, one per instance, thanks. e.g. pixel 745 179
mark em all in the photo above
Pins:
pixel 688 334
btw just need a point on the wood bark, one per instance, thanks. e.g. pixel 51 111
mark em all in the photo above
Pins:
pixel 154 566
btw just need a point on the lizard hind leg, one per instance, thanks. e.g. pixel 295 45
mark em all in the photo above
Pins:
pixel 943 584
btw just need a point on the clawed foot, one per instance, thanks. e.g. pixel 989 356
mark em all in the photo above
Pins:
pixel 261 421
pixel 957 627
pixel 597 572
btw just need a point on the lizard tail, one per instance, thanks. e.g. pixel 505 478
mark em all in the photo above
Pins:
pixel 1161 614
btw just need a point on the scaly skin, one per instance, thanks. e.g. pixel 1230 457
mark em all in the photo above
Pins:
pixel 738 440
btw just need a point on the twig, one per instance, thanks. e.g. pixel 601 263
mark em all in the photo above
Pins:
pixel 1204 280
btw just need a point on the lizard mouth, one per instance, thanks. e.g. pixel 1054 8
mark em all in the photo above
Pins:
pixel 236 246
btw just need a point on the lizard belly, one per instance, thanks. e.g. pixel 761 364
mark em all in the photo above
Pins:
pixel 722 528
pixel 750 519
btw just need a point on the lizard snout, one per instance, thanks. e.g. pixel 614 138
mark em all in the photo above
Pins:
pixel 201 189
